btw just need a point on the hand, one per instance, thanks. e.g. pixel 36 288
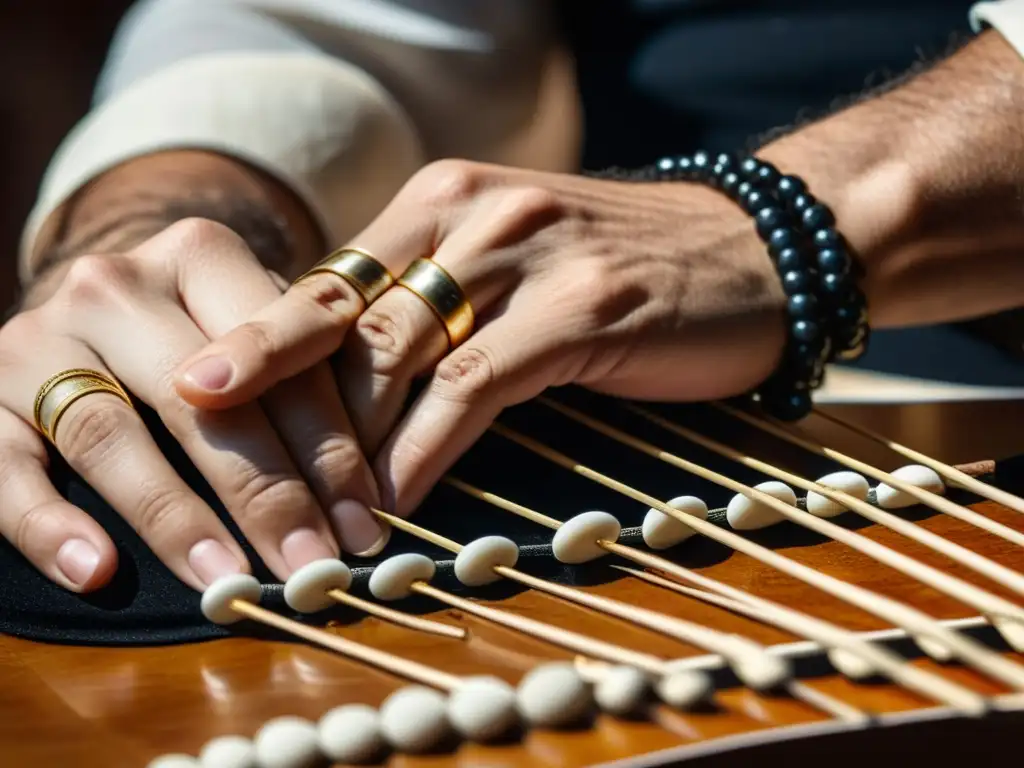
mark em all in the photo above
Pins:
pixel 277 465
pixel 648 291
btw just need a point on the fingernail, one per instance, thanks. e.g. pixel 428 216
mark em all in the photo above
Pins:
pixel 210 560
pixel 211 373
pixel 304 545
pixel 78 560
pixel 360 532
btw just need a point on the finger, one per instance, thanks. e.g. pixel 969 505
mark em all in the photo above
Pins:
pixel 106 442
pixel 237 451
pixel 220 290
pixel 509 361
pixel 401 337
pixel 298 329
pixel 59 539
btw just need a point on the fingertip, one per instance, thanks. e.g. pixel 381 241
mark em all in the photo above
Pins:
pixel 211 559
pixel 85 562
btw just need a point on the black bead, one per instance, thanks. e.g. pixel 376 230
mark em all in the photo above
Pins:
pixel 805 330
pixel 833 260
pixel 744 189
pixel 750 166
pixel 848 315
pixel 808 350
pixel 827 238
pixel 789 187
pixel 781 239
pixel 794 282
pixel 818 216
pixel 755 200
pixel 801 203
pixel 834 285
pixel 802 306
pixel 766 176
pixel 791 405
pixel 789 259
pixel 668 166
pixel 726 161
pixel 768 219
pixel 730 181
pixel 702 162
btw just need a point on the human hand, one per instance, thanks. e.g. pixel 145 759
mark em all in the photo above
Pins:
pixel 647 291
pixel 276 464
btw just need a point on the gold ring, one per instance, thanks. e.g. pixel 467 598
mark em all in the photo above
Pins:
pixel 432 283
pixel 62 389
pixel 359 269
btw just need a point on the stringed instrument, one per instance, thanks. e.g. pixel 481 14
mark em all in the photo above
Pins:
pixel 546 607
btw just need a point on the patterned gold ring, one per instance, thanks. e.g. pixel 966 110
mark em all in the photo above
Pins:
pixel 62 389
pixel 358 268
pixel 439 290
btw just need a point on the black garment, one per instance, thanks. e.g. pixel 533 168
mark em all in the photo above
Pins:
pixel 668 76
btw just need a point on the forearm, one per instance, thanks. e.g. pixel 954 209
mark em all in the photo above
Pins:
pixel 141 197
pixel 926 183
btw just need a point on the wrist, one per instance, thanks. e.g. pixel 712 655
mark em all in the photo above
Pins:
pixel 134 201
pixel 925 185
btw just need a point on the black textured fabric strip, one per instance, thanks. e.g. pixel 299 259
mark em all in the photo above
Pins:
pixel 146 605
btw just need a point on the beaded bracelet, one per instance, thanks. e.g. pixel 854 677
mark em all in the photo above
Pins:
pixel 827 311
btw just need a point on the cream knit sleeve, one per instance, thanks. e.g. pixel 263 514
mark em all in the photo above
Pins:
pixel 1005 16
pixel 340 101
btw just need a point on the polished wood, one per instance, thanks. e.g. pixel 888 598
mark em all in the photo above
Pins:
pixel 93 707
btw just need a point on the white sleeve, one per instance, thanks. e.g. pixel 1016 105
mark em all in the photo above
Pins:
pixel 1004 16
pixel 340 100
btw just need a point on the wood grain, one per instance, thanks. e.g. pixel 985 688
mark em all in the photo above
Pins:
pixel 93 707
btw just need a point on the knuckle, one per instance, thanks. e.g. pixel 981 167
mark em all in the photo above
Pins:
pixel 34 525
pixel 97 279
pixel 258 341
pixel 329 295
pixel 336 459
pixel 466 374
pixel 159 508
pixel 267 500
pixel 380 330
pixel 195 232
pixel 447 182
pixel 94 429
pixel 530 205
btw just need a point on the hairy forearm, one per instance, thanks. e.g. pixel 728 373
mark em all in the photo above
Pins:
pixel 926 181
pixel 134 201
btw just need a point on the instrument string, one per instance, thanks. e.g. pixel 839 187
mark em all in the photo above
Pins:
pixel 923 627
pixel 565 638
pixel 398 618
pixel 925 683
pixel 713 640
pixel 678 629
pixel 951 473
pixel 927 498
pixel 405 668
pixel 1001 611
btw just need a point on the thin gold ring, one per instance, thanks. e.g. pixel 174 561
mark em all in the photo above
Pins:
pixel 357 267
pixel 61 390
pixel 439 290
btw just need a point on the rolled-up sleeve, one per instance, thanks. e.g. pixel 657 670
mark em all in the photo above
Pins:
pixel 339 101
pixel 1005 16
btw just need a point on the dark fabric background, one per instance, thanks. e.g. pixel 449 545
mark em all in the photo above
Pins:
pixel 50 53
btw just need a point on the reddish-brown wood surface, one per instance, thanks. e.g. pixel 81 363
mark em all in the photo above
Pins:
pixel 93 707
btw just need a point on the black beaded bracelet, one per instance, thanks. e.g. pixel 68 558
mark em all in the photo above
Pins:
pixel 827 311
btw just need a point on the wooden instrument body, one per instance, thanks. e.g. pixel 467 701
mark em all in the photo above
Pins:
pixel 111 707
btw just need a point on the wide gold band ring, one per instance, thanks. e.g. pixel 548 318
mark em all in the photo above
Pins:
pixel 432 283
pixel 359 269
pixel 62 389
